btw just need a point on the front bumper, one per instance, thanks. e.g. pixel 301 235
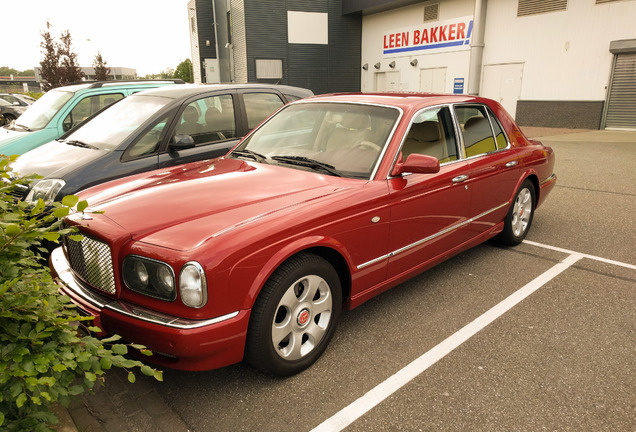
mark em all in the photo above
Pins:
pixel 176 342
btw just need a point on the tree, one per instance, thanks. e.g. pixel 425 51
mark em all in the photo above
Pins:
pixel 50 64
pixel 71 71
pixel 184 71
pixel 59 66
pixel 102 72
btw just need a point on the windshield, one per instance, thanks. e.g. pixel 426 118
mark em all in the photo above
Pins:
pixel 44 109
pixel 334 138
pixel 111 127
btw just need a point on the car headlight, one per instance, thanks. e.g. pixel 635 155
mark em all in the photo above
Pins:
pixel 46 189
pixel 192 285
pixel 149 277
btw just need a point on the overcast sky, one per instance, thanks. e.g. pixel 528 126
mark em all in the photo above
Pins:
pixel 146 35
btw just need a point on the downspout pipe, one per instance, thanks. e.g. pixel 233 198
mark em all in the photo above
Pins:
pixel 477 48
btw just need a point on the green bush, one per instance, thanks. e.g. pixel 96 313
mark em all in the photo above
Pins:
pixel 43 358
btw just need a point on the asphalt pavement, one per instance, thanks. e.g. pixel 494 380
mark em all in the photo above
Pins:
pixel 540 336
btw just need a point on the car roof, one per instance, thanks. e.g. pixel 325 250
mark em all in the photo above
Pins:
pixel 83 85
pixel 402 100
pixel 184 91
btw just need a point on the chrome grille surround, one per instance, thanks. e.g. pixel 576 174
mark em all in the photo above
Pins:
pixel 92 262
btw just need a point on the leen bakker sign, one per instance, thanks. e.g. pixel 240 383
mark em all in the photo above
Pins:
pixel 440 36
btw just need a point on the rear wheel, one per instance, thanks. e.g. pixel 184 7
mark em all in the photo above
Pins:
pixel 294 316
pixel 519 217
pixel 8 118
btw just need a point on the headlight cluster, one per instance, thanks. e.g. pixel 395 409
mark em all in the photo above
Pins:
pixel 45 189
pixel 156 279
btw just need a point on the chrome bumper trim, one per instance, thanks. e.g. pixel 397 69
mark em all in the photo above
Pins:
pixel 65 275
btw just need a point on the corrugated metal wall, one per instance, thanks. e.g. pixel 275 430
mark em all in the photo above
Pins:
pixel 322 68
pixel 621 103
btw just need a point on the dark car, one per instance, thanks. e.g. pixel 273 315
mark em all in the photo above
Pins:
pixel 149 130
pixel 10 111
pixel 330 202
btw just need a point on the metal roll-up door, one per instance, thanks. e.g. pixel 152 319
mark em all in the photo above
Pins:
pixel 621 101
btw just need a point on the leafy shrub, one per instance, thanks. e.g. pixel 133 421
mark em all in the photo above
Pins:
pixel 43 358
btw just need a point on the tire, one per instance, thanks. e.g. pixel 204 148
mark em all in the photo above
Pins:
pixel 294 316
pixel 8 118
pixel 519 217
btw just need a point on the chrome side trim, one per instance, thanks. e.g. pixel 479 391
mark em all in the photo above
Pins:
pixel 65 275
pixel 429 238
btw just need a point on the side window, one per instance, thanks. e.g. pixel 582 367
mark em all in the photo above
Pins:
pixel 475 126
pixel 87 107
pixel 207 120
pixel 432 134
pixel 500 136
pixel 148 142
pixel 259 106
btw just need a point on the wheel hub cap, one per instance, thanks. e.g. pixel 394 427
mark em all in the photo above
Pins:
pixel 303 318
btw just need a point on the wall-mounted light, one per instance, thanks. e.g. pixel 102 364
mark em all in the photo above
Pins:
pixel 207 43
pixel 377 65
pixel 365 66
pixel 392 65
pixel 414 62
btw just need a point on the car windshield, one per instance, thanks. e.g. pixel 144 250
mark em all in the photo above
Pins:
pixel 111 127
pixel 331 138
pixel 44 109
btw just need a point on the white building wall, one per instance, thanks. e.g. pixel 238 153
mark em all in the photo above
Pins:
pixel 565 55
pixel 375 26
pixel 194 41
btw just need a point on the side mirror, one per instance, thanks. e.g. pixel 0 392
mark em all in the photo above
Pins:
pixel 417 163
pixel 181 142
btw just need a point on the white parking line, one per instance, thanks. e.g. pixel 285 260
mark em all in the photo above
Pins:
pixel 375 396
pixel 592 257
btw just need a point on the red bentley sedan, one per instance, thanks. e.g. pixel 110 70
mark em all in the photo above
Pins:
pixel 331 201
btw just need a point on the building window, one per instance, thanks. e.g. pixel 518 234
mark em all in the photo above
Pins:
pixel 269 69
pixel 431 12
pixel 533 7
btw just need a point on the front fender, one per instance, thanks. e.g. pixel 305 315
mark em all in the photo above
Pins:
pixel 255 269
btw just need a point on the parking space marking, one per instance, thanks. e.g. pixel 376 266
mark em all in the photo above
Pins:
pixel 376 395
pixel 592 257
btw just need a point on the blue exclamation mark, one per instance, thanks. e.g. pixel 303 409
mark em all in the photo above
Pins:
pixel 470 30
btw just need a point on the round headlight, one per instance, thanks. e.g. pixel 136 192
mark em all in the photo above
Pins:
pixel 192 285
pixel 165 281
pixel 135 274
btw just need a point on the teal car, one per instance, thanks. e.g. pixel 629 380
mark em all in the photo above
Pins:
pixel 63 108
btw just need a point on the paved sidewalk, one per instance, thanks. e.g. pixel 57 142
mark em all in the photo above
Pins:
pixel 121 406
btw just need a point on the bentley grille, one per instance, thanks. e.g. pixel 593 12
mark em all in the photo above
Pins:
pixel 92 262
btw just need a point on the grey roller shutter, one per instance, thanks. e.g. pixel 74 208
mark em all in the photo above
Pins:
pixel 621 102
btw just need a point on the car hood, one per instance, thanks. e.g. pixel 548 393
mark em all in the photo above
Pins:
pixel 19 141
pixel 55 159
pixel 183 207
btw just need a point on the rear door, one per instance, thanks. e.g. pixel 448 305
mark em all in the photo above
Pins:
pixel 493 166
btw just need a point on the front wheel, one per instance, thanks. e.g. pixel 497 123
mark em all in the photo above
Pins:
pixel 294 316
pixel 519 217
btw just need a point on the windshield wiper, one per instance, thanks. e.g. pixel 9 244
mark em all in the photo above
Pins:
pixel 80 144
pixel 249 153
pixel 26 128
pixel 309 163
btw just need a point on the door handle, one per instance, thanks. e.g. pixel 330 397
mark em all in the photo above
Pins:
pixel 511 164
pixel 460 178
